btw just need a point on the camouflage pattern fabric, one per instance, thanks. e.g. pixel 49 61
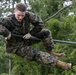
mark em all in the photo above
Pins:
pixel 29 53
pixel 46 37
pixel 10 24
pixel 21 46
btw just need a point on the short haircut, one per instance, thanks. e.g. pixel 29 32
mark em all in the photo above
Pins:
pixel 20 7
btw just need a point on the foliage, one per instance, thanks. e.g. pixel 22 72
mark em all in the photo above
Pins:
pixel 4 74
pixel 44 8
pixel 3 56
pixel 62 27
pixel 64 30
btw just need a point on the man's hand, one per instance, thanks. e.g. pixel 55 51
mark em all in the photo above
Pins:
pixel 27 36
pixel 9 36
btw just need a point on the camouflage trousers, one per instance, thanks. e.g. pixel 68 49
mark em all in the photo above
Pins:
pixel 29 53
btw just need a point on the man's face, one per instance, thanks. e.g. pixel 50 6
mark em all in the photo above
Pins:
pixel 19 15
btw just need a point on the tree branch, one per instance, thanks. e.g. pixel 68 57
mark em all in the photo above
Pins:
pixel 57 13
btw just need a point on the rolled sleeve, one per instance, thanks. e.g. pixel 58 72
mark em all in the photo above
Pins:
pixel 3 27
pixel 4 31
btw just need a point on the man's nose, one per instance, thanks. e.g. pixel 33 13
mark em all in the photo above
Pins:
pixel 20 17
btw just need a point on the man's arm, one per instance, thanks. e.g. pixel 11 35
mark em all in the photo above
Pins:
pixel 3 30
pixel 36 22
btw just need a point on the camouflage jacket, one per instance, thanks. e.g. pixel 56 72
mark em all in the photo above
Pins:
pixel 10 24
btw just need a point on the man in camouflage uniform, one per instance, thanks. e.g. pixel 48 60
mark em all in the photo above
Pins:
pixel 19 23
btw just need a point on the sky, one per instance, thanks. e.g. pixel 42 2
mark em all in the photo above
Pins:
pixel 22 1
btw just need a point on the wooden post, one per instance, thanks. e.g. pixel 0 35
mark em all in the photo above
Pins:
pixel 10 65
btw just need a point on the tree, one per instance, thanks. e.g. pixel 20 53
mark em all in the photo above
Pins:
pixel 62 27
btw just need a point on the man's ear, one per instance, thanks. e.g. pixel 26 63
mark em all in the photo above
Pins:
pixel 15 11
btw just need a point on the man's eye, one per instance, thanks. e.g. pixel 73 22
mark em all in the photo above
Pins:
pixel 18 15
